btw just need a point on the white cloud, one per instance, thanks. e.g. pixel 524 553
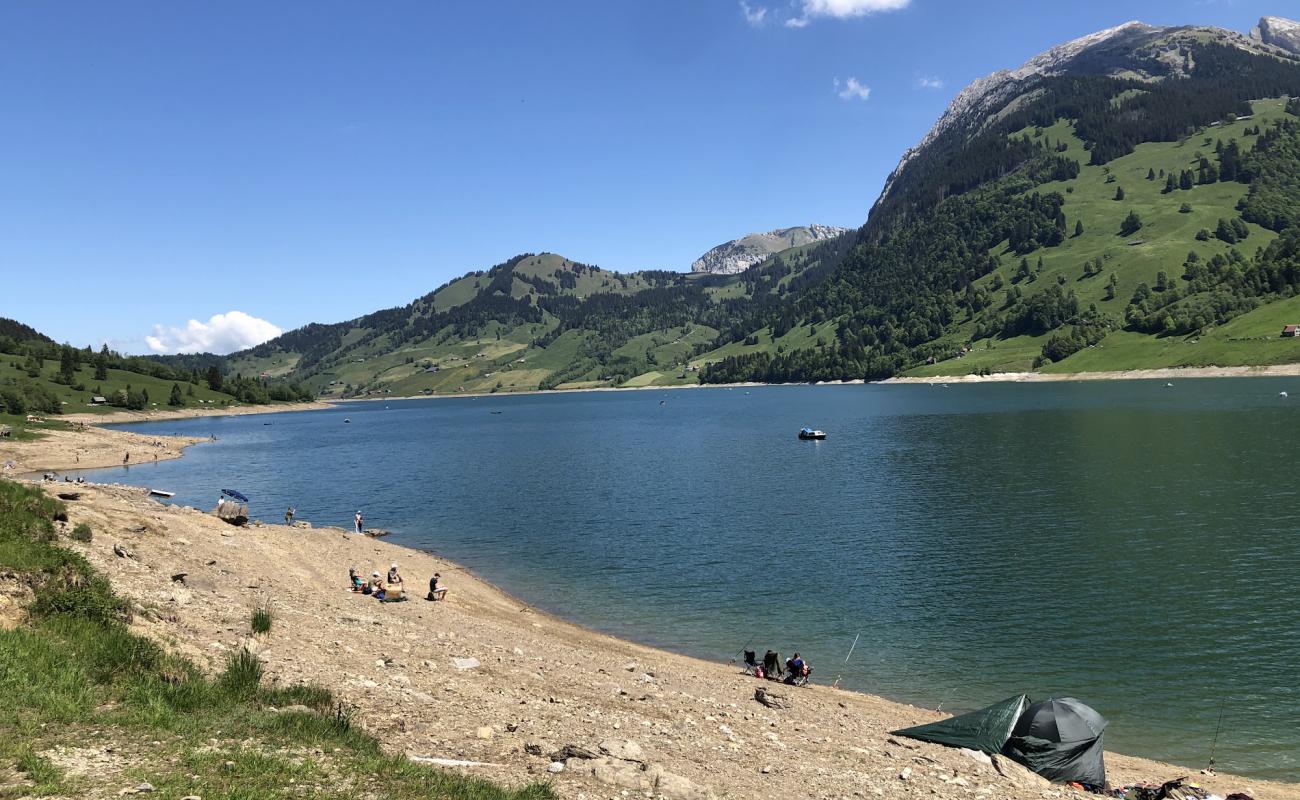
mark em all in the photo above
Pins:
pixel 223 333
pixel 843 9
pixel 754 16
pixel 852 90
pixel 924 82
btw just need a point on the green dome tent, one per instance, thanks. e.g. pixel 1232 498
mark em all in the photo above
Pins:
pixel 1060 739
pixel 986 729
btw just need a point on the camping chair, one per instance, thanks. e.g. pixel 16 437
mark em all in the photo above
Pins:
pixel 772 665
pixel 751 662
pixel 799 679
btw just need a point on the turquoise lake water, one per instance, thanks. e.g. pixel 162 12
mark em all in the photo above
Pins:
pixel 1130 544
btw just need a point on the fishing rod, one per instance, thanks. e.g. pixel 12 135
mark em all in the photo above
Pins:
pixel 836 683
pixel 743 647
pixel 946 699
pixel 1213 745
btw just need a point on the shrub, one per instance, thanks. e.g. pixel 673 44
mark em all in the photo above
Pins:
pixel 82 532
pixel 261 621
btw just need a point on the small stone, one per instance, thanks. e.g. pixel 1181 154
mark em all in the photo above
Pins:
pixel 484 732
pixel 905 774
pixel 144 788
pixel 766 769
pixel 555 767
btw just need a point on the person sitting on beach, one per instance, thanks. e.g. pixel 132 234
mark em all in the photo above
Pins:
pixel 797 670
pixel 354 580
pixel 436 590
pixel 374 584
pixel 393 575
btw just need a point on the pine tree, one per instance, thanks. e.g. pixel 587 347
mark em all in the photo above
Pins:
pixel 1131 224
pixel 1112 286
pixel 67 366
pixel 1185 180
pixel 176 398
pixel 101 364
pixel 1151 174
pixel 1078 227
pixel 1170 185
pixel 214 378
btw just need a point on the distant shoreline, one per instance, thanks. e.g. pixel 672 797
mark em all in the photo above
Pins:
pixel 1161 373
pixel 748 385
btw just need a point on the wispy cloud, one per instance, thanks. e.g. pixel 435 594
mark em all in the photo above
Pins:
pixel 926 82
pixel 221 334
pixel 851 89
pixel 754 16
pixel 842 9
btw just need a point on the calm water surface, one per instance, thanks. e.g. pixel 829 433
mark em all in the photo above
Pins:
pixel 1128 543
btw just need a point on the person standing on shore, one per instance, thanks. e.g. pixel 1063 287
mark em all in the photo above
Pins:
pixel 288 515
pixel 360 520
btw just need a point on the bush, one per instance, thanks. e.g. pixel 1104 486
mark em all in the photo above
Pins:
pixel 82 532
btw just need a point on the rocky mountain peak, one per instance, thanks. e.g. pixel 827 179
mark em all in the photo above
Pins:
pixel 739 255
pixel 1279 32
pixel 1133 49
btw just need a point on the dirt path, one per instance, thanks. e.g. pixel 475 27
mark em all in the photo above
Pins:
pixel 676 726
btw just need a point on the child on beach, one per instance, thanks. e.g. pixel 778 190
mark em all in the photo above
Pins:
pixel 354 580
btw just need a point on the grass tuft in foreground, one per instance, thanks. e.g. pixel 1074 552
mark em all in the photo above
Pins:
pixel 261 621
pixel 75 678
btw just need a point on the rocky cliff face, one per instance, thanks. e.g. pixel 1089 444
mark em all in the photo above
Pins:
pixel 739 255
pixel 1133 50
pixel 1283 33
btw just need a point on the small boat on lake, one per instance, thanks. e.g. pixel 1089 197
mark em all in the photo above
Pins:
pixel 810 434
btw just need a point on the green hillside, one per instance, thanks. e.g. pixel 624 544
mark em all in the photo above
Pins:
pixel 537 321
pixel 1131 201
pixel 40 377
pixel 1171 222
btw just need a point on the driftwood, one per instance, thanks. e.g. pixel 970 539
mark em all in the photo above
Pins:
pixel 771 699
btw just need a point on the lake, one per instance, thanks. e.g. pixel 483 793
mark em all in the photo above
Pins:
pixel 1130 543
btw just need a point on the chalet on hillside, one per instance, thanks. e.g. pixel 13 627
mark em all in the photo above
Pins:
pixel 1290 331
pixel 98 401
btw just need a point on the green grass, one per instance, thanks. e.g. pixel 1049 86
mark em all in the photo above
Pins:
pixel 74 675
pixel 1167 236
pixel 260 622
pixel 11 371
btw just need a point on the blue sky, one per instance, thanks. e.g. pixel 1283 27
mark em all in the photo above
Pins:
pixel 169 161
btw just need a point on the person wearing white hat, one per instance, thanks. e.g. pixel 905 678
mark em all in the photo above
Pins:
pixel 393 575
pixel 360 520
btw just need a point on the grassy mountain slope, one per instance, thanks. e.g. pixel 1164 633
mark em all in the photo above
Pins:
pixel 1167 236
pixel 536 321
pixel 1124 200
pixel 972 262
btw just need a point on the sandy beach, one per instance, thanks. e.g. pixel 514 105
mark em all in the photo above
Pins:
pixel 483 678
